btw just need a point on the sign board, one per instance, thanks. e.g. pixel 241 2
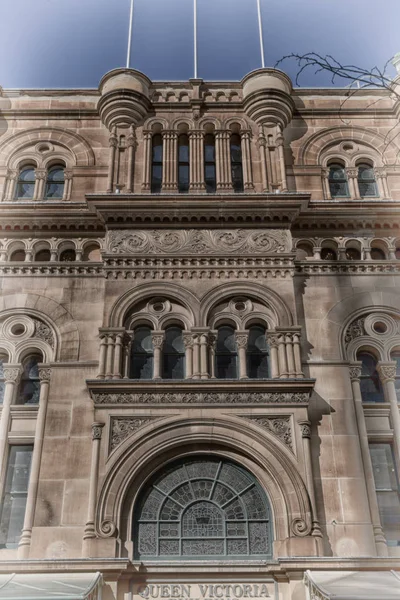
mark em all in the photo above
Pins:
pixel 204 591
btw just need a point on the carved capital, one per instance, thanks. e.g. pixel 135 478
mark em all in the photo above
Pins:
pixel 387 371
pixel 67 174
pixel 352 173
pixel 40 174
pixel 44 373
pixel 380 172
pixel 113 141
pixel 12 374
pixel 97 430
pixel 12 174
pixel 305 428
pixel 241 338
pixel 157 338
pixel 355 371
pixel 187 340
pixel 272 339
pixel 325 172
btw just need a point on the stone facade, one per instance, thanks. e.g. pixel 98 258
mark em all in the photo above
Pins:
pixel 86 269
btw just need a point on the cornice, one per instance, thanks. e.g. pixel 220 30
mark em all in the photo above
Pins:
pixel 57 269
pixel 346 267
pixel 216 210
pixel 47 216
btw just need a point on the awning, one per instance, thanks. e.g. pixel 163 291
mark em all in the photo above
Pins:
pixel 50 586
pixel 353 585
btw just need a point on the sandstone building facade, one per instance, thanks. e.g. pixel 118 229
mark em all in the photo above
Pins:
pixel 199 340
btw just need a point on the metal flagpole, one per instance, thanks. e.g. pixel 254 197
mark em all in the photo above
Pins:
pixel 195 36
pixel 261 34
pixel 128 54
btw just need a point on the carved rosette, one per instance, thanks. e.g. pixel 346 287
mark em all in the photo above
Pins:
pixel 97 430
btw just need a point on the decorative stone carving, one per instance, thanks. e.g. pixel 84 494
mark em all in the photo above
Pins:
pixel 241 340
pixel 279 426
pixel 305 428
pixel 97 431
pixel 194 241
pixel 44 374
pixel 12 374
pixel 354 330
pixel 300 528
pixel 122 427
pixel 108 528
pixel 355 372
pixel 43 332
pixel 201 398
pixel 387 372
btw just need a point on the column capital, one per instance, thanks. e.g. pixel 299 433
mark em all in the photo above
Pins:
pixel 12 373
pixel 40 174
pixel 272 338
pixel 44 372
pixel 68 174
pixel 380 172
pixel 97 428
pixel 241 338
pixel 355 370
pixel 157 337
pixel 352 173
pixel 387 371
pixel 113 140
pixel 325 172
pixel 187 338
pixel 12 174
pixel 305 427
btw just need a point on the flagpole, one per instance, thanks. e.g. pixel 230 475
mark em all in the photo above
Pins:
pixel 261 34
pixel 128 54
pixel 195 37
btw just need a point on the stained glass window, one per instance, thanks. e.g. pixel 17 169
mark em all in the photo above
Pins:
pixel 338 184
pixel 203 508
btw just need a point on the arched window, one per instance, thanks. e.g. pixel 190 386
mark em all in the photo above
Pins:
pixel 328 254
pixel 226 358
pixel 156 163
pixel 370 384
pixel 338 184
pixel 353 254
pixel 92 253
pixel 173 354
pixel 366 181
pixel 55 182
pixel 236 163
pixel 17 256
pixel 203 508
pixel 377 254
pixel 183 163
pixel 3 360
pixel 29 388
pixel 396 357
pixel 68 255
pixel 257 353
pixel 142 354
pixel 209 163
pixel 26 183
pixel 42 255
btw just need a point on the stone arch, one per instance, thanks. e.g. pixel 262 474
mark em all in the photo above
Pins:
pixel 335 322
pixel 244 125
pixel 77 145
pixel 209 119
pixel 52 313
pixel 121 306
pixel 181 121
pixel 282 312
pixel 162 441
pixel 149 124
pixel 312 148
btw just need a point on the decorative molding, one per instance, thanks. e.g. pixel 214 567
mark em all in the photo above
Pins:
pixel 305 428
pixel 354 330
pixel 122 427
pixel 97 430
pixel 44 374
pixel 387 371
pixel 43 332
pixel 102 398
pixel 278 426
pixel 55 269
pixel 355 372
pixel 12 374
pixel 199 242
pixel 346 267
pixel 300 528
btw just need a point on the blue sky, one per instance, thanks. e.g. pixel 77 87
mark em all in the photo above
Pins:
pixel 72 43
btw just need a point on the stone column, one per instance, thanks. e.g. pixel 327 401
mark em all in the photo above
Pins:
pixel 102 358
pixel 146 181
pixel 67 184
pixel 196 356
pixel 262 144
pixel 12 376
pixel 126 354
pixel 246 161
pixel 119 340
pixel 281 155
pixel 40 183
pixel 305 427
pixel 282 361
pixel 223 161
pixel 131 143
pixel 387 374
pixel 272 340
pixel 203 356
pixel 113 144
pixel 158 340
pixel 170 163
pixel 381 178
pixel 188 343
pixel 297 355
pixel 10 185
pixel 196 161
pixel 110 356
pixel 241 339
pixel 26 535
pixel 352 176
pixel 317 253
pixel 212 340
pixel 89 531
pixel 325 183
pixel 290 355
pixel 380 541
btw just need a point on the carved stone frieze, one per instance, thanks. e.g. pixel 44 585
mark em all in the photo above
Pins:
pixel 122 427
pixel 43 332
pixel 201 398
pixel 279 426
pixel 199 242
pixel 354 330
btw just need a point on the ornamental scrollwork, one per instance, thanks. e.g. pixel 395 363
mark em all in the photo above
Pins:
pixel 43 332
pixel 108 528
pixel 204 241
pixel 354 330
pixel 12 374
pixel 97 431
pixel 201 398
pixel 122 427
pixel 300 528
pixel 278 426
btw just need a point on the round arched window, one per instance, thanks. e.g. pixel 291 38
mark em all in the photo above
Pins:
pixel 203 507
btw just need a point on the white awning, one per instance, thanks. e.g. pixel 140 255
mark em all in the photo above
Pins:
pixel 50 586
pixel 353 585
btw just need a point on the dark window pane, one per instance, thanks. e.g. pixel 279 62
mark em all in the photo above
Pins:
pixel 209 153
pixel 377 254
pixel 142 354
pixel 173 354
pixel 387 490
pixel 367 189
pixel 156 178
pixel 371 388
pixel 56 174
pixel 25 190
pixel 183 178
pixel 226 353
pixel 15 493
pixel 54 190
pixel 29 389
pixel 257 353
pixel 338 181
pixel 27 175
pixel 157 150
